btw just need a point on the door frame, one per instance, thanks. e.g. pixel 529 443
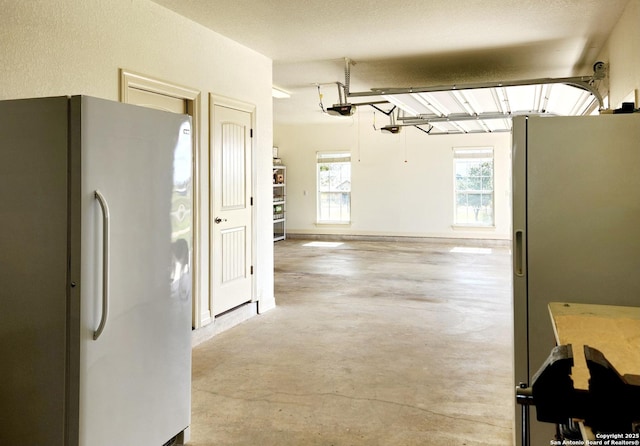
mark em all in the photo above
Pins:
pixel 224 101
pixel 130 79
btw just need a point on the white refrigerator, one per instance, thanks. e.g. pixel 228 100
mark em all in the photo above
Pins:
pixel 576 214
pixel 95 286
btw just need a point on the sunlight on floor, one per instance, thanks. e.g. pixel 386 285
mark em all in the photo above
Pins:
pixel 470 250
pixel 323 244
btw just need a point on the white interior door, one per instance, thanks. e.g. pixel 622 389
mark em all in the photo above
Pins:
pixel 156 100
pixel 151 93
pixel 231 210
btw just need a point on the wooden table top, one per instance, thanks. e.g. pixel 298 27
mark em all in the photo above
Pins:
pixel 614 330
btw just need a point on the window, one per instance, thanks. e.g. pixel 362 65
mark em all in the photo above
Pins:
pixel 334 187
pixel 473 177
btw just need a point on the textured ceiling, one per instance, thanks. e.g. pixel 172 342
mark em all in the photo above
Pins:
pixel 408 43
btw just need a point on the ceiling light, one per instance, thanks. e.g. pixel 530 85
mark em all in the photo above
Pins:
pixel 279 93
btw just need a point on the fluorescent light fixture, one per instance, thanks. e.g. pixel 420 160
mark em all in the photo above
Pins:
pixel 279 93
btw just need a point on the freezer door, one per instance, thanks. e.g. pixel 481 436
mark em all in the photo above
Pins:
pixel 135 377
pixel 582 209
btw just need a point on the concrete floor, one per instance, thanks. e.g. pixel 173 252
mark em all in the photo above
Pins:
pixel 372 343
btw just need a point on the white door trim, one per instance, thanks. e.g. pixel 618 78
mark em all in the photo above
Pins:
pixel 130 79
pixel 223 101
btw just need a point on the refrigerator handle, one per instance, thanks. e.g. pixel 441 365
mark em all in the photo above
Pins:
pixel 519 253
pixel 105 264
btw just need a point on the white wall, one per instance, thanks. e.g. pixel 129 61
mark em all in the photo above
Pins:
pixel 622 52
pixel 402 185
pixel 64 47
pixel 391 197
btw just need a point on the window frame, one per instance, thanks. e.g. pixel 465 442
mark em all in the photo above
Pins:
pixel 470 153
pixel 327 157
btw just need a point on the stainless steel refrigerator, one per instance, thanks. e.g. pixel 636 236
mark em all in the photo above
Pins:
pixel 95 287
pixel 576 214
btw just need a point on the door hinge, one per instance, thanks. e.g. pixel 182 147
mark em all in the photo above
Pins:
pixel 251 201
pixel 250 133
pixel 252 270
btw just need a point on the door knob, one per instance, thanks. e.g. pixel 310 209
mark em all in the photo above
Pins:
pixel 219 220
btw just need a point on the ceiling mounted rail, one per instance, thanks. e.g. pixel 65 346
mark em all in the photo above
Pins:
pixel 586 83
pixel 480 107
pixel 413 120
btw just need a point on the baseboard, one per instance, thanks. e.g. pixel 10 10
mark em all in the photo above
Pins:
pixel 224 322
pixel 489 243
pixel 265 305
